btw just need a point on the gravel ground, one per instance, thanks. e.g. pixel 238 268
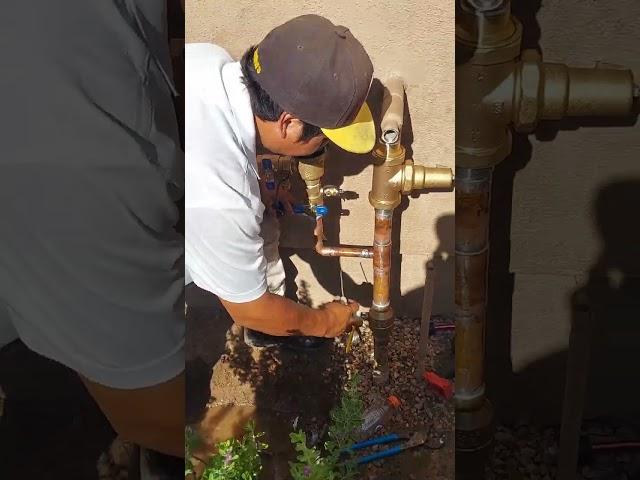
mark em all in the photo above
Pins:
pixel 421 407
pixel 523 452
pixel 529 452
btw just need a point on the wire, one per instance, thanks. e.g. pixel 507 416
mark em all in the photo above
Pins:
pixel 615 446
pixel 363 274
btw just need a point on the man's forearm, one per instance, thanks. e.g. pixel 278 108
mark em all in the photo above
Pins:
pixel 276 315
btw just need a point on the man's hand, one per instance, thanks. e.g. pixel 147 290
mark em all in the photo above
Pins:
pixel 340 317
pixel 271 198
pixel 276 315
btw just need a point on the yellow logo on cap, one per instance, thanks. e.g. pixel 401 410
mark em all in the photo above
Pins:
pixel 256 61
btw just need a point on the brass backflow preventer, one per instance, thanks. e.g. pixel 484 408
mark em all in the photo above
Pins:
pixel 500 88
pixel 393 176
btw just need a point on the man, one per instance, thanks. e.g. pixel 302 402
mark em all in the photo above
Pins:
pixel 91 268
pixel 303 85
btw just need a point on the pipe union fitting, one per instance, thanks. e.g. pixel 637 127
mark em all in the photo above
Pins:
pixel 407 177
pixel 530 80
pixel 381 320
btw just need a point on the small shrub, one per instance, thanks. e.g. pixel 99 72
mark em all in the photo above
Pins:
pixel 346 419
pixel 234 460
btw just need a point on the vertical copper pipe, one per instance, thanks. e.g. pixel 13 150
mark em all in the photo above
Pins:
pixel 381 313
pixel 381 259
pixel 473 188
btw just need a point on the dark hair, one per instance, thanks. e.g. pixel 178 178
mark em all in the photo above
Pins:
pixel 263 106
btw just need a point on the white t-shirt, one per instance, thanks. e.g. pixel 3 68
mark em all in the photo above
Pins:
pixel 223 209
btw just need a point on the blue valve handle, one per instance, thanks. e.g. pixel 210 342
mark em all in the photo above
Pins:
pixel 377 456
pixel 321 210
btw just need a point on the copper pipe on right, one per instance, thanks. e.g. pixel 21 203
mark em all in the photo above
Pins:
pixel 473 193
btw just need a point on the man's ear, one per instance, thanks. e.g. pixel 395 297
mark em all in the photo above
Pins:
pixel 289 126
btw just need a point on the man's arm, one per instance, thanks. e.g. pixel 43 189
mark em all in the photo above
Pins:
pixel 276 315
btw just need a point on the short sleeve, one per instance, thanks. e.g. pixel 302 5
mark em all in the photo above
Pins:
pixel 224 252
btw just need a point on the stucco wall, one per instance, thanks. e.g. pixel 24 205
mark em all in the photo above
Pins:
pixel 403 38
pixel 555 239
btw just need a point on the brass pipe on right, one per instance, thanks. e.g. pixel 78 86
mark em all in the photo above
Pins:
pixel 393 176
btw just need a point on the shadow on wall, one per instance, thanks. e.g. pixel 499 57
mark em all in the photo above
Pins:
pixel 612 333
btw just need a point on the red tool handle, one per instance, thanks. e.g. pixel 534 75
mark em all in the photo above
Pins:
pixel 443 386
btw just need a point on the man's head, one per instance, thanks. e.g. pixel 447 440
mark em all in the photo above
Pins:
pixel 308 81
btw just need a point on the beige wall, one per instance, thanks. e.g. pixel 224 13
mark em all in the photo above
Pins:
pixel 554 239
pixel 403 38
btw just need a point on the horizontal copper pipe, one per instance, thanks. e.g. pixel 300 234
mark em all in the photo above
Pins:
pixel 338 250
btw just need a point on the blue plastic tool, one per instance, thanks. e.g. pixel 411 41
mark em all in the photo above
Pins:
pixel 415 440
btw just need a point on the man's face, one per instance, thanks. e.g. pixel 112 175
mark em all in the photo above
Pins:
pixel 284 137
pixel 302 148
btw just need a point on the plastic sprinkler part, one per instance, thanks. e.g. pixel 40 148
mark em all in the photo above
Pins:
pixel 374 419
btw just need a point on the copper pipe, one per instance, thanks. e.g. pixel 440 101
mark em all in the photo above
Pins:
pixel 338 250
pixel 472 248
pixel 381 259
pixel 381 314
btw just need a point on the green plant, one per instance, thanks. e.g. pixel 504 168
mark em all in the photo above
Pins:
pixel 191 442
pixel 310 465
pixel 346 419
pixel 234 460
